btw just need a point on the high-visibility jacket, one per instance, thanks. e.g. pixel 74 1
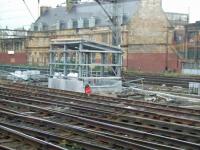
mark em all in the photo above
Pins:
pixel 88 89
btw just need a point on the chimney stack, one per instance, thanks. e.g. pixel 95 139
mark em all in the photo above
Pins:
pixel 146 3
pixel 43 10
pixel 71 3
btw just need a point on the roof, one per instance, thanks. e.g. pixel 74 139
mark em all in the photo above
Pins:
pixel 177 19
pixel 194 25
pixel 127 8
pixel 87 44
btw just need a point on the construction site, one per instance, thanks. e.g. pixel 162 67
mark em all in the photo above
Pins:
pixel 100 75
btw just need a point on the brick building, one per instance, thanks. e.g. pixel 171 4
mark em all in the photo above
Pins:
pixel 13 47
pixel 192 47
pixel 146 32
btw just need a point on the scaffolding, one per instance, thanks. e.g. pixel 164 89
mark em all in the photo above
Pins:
pixel 12 40
pixel 77 63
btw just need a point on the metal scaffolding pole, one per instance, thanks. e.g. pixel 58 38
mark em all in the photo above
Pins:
pixel 103 55
pixel 80 60
pixel 51 61
pixel 65 60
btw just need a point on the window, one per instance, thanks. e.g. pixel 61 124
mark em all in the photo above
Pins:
pixel 185 18
pixel 92 22
pixel 62 26
pixel 75 24
pixel 104 37
pixel 86 23
pixel 191 54
pixel 18 46
pixel 191 37
pixel 97 21
pixel 35 28
pixel 8 46
pixel 70 24
pixel 45 27
pixel 124 19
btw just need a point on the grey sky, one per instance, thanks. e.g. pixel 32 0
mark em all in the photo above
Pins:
pixel 14 13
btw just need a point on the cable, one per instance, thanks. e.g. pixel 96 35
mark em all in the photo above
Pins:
pixel 105 11
pixel 28 10
pixel 38 8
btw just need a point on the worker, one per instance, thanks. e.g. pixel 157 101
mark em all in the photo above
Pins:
pixel 88 89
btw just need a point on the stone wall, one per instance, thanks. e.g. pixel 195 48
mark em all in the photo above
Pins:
pixel 149 38
pixel 18 55
pixel 148 32
pixel 39 45
pixel 149 25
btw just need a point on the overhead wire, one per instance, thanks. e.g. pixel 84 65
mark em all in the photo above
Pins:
pixel 28 9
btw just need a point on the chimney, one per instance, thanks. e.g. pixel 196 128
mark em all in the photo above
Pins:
pixel 147 3
pixel 71 3
pixel 43 10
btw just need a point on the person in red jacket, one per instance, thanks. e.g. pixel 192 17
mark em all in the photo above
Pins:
pixel 88 89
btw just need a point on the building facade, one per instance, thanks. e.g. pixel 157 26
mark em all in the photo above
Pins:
pixel 193 41
pixel 192 48
pixel 146 33
pixel 148 39
pixel 13 47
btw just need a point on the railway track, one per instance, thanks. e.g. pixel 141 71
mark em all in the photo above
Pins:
pixel 72 97
pixel 150 79
pixel 131 124
pixel 121 123
pixel 12 139
pixel 60 133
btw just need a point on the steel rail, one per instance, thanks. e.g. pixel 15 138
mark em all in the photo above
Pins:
pixel 107 117
pixel 142 104
pixel 105 127
pixel 120 116
pixel 26 139
pixel 53 138
pixel 5 148
pixel 105 98
pixel 77 132
pixel 84 120
pixel 158 80
pixel 140 123
pixel 129 111
pixel 42 134
pixel 110 99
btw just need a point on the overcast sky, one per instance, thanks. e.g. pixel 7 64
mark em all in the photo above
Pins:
pixel 15 14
